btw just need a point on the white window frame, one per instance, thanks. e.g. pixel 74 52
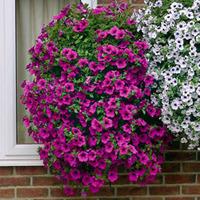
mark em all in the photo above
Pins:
pixel 11 153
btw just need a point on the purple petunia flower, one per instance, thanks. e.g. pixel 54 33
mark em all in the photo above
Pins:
pixel 126 128
pixel 123 150
pixel 75 174
pixel 70 159
pixel 72 55
pixel 126 115
pixel 109 90
pixel 110 112
pixel 92 155
pixel 149 80
pixel 92 141
pixel 77 28
pixel 151 110
pixel 112 175
pixel 133 177
pixel 96 125
pixel 76 131
pixel 119 84
pixel 121 63
pixel 98 10
pixel 41 83
pixel 81 141
pixel 120 34
pixel 130 21
pixel 69 87
pixel 26 122
pixel 125 91
pixel 105 138
pixel 69 191
pixel 133 149
pixel 107 122
pixel 102 164
pixel 102 34
pixel 93 66
pixel 83 156
pixel 109 147
pixel 157 132
pixel 113 30
pixel 86 180
pixel 144 159
pixel 80 7
pixel 84 23
pixel 83 62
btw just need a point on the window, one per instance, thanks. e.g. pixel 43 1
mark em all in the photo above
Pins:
pixel 30 16
pixel 20 22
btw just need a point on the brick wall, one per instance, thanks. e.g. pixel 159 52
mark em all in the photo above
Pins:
pixel 180 180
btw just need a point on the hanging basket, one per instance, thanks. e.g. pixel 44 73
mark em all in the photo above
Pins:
pixel 89 102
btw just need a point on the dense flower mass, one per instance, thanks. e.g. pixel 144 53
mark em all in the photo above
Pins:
pixel 89 102
pixel 173 30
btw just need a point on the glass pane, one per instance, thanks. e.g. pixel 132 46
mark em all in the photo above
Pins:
pixel 30 16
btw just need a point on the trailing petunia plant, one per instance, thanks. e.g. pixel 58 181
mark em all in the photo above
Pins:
pixel 89 101
pixel 172 29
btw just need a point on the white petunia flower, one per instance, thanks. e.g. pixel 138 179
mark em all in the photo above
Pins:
pixel 181 26
pixel 175 104
pixel 198 90
pixel 158 3
pixel 183 140
pixel 174 58
pixel 189 15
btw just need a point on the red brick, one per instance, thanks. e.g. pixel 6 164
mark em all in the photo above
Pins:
pixel 171 167
pixel 180 178
pixel 31 170
pixel 191 189
pixel 57 192
pixel 32 192
pixel 80 198
pixel 5 171
pixel 14 181
pixel 174 145
pixel 184 147
pixel 105 191
pixel 198 156
pixel 180 156
pixel 123 179
pixel 191 167
pixel 164 190
pixel 158 180
pixel 114 198
pixel 147 198
pixel 45 181
pixel 7 193
pixel 128 191
pixel 54 199
pixel 180 198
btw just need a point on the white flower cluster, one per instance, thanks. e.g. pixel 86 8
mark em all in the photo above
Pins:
pixel 174 38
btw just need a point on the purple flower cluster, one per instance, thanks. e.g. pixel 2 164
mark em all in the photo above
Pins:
pixel 90 109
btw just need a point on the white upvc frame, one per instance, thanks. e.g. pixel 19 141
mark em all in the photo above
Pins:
pixel 91 3
pixel 11 153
